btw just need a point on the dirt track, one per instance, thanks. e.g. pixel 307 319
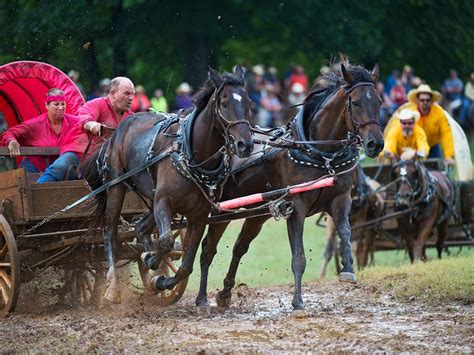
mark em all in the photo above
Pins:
pixel 339 318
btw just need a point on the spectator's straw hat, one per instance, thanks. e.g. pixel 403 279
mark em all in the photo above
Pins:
pixel 408 114
pixel 258 69
pixel 184 87
pixel 104 82
pixel 423 89
pixel 140 89
pixel 324 70
pixel 297 88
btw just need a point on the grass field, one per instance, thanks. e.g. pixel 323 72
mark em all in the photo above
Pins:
pixel 439 281
pixel 268 261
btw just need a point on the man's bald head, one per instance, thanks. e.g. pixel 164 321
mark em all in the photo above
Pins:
pixel 121 93
pixel 115 83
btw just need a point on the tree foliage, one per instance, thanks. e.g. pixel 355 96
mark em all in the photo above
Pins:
pixel 161 43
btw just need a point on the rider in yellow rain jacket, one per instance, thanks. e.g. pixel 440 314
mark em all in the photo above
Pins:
pixel 433 120
pixel 406 135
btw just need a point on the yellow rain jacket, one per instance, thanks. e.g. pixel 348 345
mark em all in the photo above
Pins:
pixel 435 125
pixel 395 142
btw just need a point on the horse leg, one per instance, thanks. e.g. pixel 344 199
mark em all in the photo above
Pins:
pixel 424 232
pixel 144 228
pixel 410 247
pixel 194 234
pixel 115 198
pixel 165 242
pixel 249 231
pixel 366 245
pixel 295 226
pixel 340 207
pixel 330 245
pixel 442 233
pixel 209 249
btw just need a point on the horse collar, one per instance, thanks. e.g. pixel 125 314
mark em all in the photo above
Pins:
pixel 211 180
pixel 308 155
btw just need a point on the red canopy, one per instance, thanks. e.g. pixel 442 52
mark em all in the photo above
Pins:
pixel 23 86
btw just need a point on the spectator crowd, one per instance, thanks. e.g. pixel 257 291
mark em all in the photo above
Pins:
pixel 275 96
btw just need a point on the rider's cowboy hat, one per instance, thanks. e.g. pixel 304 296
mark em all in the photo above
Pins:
pixel 408 114
pixel 423 89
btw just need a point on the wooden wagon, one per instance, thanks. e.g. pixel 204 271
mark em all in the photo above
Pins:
pixel 65 241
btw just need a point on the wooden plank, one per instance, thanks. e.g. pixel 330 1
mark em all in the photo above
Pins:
pixel 12 185
pixel 32 151
pixel 51 197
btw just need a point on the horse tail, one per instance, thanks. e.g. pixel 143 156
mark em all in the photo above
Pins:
pixel 91 173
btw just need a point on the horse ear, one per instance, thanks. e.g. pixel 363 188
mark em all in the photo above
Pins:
pixel 375 74
pixel 215 77
pixel 239 71
pixel 347 76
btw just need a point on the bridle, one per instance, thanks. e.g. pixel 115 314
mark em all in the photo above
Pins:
pixel 414 187
pixel 356 124
pixel 225 123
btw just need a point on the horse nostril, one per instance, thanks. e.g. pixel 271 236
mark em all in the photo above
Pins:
pixel 380 145
pixel 240 146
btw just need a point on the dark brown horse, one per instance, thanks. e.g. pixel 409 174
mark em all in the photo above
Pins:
pixel 430 196
pixel 192 166
pixel 367 204
pixel 345 109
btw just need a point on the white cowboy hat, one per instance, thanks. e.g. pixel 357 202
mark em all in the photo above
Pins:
pixel 184 87
pixel 425 89
pixel 408 114
pixel 297 88
pixel 258 69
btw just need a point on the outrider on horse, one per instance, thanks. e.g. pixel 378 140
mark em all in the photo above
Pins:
pixel 191 158
pixel 340 114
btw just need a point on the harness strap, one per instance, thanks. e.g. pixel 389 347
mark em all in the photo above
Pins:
pixel 119 179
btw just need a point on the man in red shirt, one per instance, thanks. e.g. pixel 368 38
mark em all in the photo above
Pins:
pixel 108 111
pixel 53 128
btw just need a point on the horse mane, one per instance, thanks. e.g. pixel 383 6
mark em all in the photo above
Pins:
pixel 327 84
pixel 201 98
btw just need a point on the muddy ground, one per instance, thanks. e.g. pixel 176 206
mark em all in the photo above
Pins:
pixel 339 317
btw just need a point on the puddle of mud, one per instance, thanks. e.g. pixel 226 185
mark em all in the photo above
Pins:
pixel 339 318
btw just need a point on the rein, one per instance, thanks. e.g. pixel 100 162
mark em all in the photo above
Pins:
pixel 356 125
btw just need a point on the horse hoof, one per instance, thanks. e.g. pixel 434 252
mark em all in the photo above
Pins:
pixel 112 296
pixel 203 310
pixel 348 277
pixel 299 313
pixel 221 301
pixel 149 260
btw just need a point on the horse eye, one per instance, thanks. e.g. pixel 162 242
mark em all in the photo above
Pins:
pixel 356 103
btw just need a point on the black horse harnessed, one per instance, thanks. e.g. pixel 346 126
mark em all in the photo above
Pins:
pixel 346 157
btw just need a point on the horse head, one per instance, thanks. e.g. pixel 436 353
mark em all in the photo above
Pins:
pixel 233 110
pixel 363 107
pixel 406 174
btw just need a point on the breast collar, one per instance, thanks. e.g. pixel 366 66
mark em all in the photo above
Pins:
pixel 332 162
pixel 211 181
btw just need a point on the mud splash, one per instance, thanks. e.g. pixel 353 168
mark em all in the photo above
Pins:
pixel 338 318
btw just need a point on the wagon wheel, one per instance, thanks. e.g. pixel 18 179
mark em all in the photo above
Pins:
pixel 167 267
pixel 82 284
pixel 9 269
